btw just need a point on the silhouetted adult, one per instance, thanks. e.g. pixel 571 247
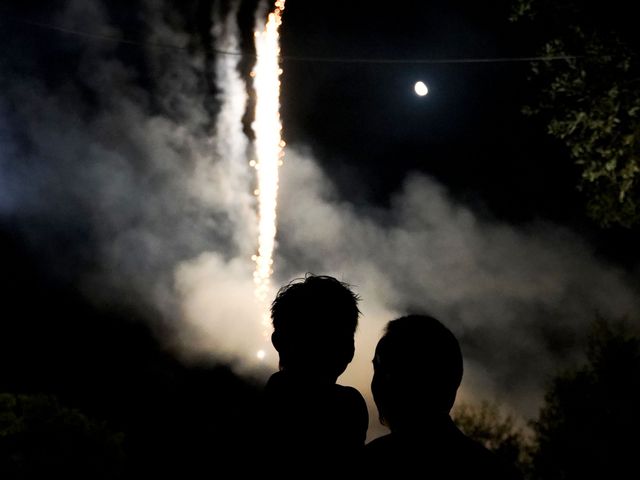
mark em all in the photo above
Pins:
pixel 417 372
pixel 314 423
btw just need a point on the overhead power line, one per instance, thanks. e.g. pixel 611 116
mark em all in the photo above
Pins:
pixel 425 60
pixel 294 58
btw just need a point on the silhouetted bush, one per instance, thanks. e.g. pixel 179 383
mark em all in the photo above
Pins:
pixel 588 425
pixel 40 438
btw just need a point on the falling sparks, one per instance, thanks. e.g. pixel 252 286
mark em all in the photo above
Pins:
pixel 269 145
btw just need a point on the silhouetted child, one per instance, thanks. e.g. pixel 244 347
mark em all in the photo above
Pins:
pixel 417 372
pixel 314 424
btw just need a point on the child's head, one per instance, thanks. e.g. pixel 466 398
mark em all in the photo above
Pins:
pixel 314 322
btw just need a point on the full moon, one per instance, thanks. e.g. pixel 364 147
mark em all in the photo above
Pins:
pixel 421 89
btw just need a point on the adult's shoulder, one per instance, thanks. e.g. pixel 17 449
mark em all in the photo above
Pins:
pixel 487 464
pixel 384 458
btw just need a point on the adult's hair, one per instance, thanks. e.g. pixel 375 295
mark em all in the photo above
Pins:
pixel 418 369
pixel 313 313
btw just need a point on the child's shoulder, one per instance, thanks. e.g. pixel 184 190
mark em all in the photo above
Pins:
pixel 350 392
pixel 351 396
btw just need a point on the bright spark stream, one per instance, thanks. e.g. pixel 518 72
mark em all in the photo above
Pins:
pixel 267 127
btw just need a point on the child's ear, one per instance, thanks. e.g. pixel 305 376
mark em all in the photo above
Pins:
pixel 275 340
pixel 352 350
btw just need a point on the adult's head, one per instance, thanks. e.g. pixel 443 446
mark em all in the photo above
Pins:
pixel 314 322
pixel 417 371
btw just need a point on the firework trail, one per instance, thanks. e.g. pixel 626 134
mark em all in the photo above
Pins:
pixel 267 127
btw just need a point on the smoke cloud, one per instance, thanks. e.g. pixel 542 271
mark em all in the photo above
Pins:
pixel 139 159
pixel 507 293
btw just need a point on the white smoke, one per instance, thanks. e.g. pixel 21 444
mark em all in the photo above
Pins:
pixel 220 313
pixel 164 187
pixel 505 292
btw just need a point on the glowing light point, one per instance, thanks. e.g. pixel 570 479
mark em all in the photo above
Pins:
pixel 261 354
pixel 421 89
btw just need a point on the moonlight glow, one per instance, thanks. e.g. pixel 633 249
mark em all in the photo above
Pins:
pixel 421 89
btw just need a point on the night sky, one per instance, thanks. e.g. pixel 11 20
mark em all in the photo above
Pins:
pixel 127 220
pixel 468 132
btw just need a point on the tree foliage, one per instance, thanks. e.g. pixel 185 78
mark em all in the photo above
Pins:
pixel 591 102
pixel 40 438
pixel 498 432
pixel 588 426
